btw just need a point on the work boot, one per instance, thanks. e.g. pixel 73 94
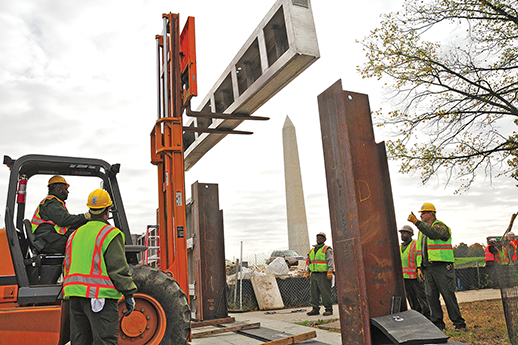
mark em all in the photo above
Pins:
pixel 313 312
pixel 460 328
pixel 328 312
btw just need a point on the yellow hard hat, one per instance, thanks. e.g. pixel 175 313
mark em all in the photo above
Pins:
pixel 427 207
pixel 99 199
pixel 57 179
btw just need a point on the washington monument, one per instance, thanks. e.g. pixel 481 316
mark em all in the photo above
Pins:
pixel 298 238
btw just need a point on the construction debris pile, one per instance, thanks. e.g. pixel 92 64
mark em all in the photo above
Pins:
pixel 277 267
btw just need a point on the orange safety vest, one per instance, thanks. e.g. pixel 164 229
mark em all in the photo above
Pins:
pixel 515 247
pixel 37 220
pixel 501 258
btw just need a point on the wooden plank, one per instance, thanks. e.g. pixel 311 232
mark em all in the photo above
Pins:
pixel 212 322
pixel 292 339
pixel 225 330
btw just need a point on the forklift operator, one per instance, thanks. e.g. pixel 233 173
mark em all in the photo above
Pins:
pixel 51 222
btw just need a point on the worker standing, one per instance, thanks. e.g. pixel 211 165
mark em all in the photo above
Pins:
pixel 321 266
pixel 97 276
pixel 414 282
pixel 497 260
pixel 512 248
pixel 436 262
pixel 51 222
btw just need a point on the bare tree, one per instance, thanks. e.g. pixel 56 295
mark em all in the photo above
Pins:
pixel 456 107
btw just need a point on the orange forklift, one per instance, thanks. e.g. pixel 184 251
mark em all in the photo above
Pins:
pixel 32 310
pixel 31 307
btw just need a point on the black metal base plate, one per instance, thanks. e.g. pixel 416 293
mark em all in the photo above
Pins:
pixel 407 327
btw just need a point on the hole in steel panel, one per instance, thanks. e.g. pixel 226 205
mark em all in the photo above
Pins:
pixel 224 95
pixel 276 37
pixel 248 68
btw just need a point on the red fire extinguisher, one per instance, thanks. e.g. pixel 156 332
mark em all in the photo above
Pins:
pixel 22 188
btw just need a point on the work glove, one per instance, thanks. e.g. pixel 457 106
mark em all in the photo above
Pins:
pixel 329 275
pixel 130 305
pixel 307 275
pixel 420 275
pixel 412 218
pixel 88 215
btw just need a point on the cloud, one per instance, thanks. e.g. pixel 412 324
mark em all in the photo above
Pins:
pixel 79 79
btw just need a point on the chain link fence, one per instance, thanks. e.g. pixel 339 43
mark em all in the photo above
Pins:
pixel 506 278
pixel 294 288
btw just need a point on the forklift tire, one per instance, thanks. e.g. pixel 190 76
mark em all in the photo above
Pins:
pixel 174 305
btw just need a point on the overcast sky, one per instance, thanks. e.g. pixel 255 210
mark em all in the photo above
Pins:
pixel 78 79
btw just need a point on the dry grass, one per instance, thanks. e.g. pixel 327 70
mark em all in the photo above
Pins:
pixel 485 324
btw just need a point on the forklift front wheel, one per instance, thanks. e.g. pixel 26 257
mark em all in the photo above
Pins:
pixel 145 325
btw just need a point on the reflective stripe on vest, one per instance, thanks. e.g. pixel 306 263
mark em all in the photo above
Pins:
pixel 85 270
pixel 438 250
pixel 408 260
pixel 515 246
pixel 503 257
pixel 37 220
pixel 317 260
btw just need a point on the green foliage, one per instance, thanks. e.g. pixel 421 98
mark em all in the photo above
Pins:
pixel 456 100
pixel 462 250
pixel 476 250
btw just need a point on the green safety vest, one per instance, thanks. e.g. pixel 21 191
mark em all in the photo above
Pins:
pixel 409 260
pixel 438 250
pixel 503 257
pixel 37 220
pixel 85 271
pixel 317 260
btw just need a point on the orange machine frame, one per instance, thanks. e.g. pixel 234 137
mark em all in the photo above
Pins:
pixel 167 144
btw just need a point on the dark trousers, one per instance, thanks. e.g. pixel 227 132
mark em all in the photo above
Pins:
pixel 440 280
pixel 89 328
pixel 415 293
pixel 320 286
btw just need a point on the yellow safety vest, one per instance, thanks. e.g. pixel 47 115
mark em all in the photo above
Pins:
pixel 408 260
pixel 37 220
pixel 85 271
pixel 438 250
pixel 317 260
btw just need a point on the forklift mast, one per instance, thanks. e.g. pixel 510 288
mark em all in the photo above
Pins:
pixel 176 70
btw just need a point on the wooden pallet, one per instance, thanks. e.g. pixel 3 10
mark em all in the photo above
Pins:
pixel 253 330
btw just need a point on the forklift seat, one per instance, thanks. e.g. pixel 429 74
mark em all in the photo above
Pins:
pixel 35 246
pixel 41 268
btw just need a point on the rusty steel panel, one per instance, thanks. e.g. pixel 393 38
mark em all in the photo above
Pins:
pixel 208 253
pixel 361 211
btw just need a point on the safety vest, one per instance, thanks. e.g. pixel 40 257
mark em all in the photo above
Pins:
pixel 501 258
pixel 438 250
pixel 37 220
pixel 317 260
pixel 408 260
pixel 85 271
pixel 515 246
